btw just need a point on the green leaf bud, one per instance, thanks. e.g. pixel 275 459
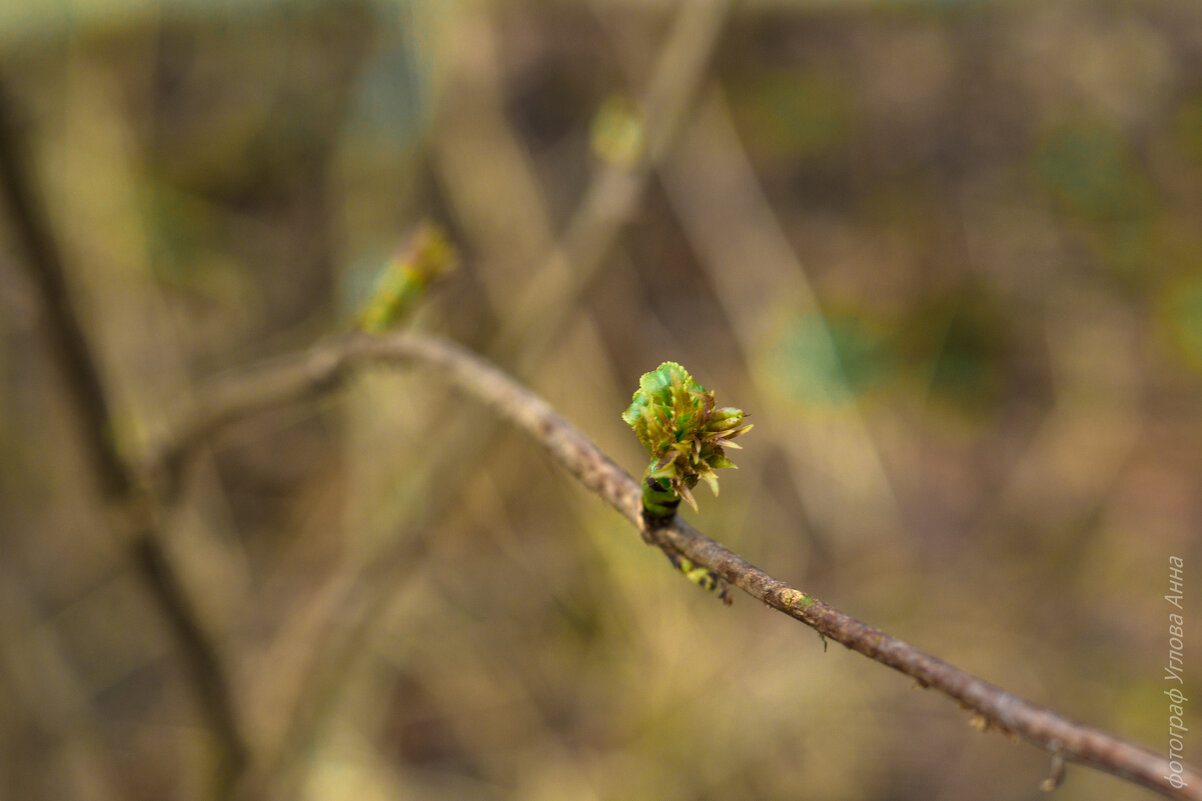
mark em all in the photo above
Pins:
pixel 684 432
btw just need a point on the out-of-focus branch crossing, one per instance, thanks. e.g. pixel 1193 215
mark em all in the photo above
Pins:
pixel 117 480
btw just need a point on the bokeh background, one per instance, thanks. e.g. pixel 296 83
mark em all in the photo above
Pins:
pixel 948 254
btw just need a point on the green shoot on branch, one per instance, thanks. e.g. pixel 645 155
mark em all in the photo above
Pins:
pixel 426 257
pixel 686 434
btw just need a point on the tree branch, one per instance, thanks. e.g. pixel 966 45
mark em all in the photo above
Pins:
pixel 324 366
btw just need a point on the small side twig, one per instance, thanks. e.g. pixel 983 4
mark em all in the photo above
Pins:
pixel 1055 775
pixel 1066 739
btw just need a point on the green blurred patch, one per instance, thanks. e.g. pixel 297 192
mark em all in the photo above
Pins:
pixel 1091 171
pixel 1188 128
pixel 181 227
pixel 949 350
pixel 953 347
pixel 792 115
pixel 616 132
pixel 832 360
pixel 183 231
pixel 1180 312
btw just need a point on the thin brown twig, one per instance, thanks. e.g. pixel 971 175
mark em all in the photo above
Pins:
pixel 1064 738
pixel 117 480
pixel 62 327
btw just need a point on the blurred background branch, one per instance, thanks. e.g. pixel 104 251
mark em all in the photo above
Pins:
pixel 129 516
pixel 946 254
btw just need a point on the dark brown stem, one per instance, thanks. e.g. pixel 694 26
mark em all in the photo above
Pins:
pixel 994 708
pixel 115 478
pixel 62 328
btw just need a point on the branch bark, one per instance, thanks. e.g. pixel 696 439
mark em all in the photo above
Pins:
pixel 323 368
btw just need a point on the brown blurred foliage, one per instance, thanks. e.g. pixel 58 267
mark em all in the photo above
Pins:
pixel 947 254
